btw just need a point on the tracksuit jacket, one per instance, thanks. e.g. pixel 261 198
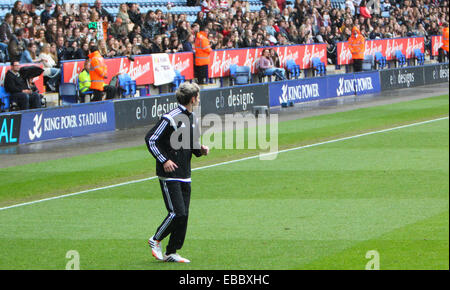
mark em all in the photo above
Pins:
pixel 182 124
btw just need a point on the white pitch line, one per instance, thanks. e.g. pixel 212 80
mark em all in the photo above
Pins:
pixel 228 162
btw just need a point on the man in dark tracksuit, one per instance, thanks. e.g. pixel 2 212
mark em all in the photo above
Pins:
pixel 172 141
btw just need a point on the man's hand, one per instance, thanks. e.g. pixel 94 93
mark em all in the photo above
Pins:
pixel 204 149
pixel 26 91
pixel 169 166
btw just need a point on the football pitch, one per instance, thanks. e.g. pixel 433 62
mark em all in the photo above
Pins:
pixel 371 180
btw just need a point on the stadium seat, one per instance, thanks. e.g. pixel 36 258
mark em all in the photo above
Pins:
pixel 67 93
pixel 263 74
pixel 318 67
pixel 380 60
pixel 4 100
pixel 368 63
pixel 177 80
pixel 240 75
pixel 125 83
pixel 132 87
pixel 420 56
pixel 292 69
pixel 400 58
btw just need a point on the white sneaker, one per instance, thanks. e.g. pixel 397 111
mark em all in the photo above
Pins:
pixel 156 248
pixel 175 258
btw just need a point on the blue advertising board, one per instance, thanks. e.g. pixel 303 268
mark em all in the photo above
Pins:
pixel 70 121
pixel 353 84
pixel 297 91
pixel 9 129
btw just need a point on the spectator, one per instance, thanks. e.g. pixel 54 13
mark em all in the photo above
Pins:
pixel 248 40
pixel 275 58
pixel 158 45
pixel 267 66
pixel 188 44
pixel 61 49
pixel 176 46
pixel 17 23
pixel 152 26
pixel 281 4
pixel 29 54
pixel 117 29
pixel 50 70
pixel 84 49
pixel 6 30
pixel 73 51
pixel 183 30
pixel 200 20
pixel 17 9
pixel 51 33
pixel 135 15
pixel 46 14
pixel 136 45
pixel 123 14
pixel 113 46
pixel 166 45
pixel 102 11
pixel 260 40
pixel 16 45
pixel 20 90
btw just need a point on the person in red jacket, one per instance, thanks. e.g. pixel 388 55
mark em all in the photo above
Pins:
pixel 202 49
pixel 356 45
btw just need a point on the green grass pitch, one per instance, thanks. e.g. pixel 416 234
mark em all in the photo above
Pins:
pixel 322 207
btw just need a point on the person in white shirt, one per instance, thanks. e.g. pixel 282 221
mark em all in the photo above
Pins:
pixel 50 70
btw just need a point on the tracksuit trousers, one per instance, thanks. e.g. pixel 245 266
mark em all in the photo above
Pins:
pixel 177 195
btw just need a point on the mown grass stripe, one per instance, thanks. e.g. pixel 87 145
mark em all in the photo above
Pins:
pixel 228 162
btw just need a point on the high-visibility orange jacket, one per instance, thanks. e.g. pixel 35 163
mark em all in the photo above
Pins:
pixel 356 44
pixel 445 39
pixel 98 71
pixel 202 49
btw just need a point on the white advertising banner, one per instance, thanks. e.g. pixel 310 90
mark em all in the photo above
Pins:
pixel 162 69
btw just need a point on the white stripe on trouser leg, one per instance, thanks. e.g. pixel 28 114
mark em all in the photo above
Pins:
pixel 166 190
pixel 164 226
pixel 171 215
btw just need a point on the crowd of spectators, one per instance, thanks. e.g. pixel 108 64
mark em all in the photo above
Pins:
pixel 62 32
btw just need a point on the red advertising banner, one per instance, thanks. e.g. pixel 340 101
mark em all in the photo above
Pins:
pixel 141 69
pixel 220 60
pixel 38 81
pixel 184 63
pixel 386 46
pixel 436 43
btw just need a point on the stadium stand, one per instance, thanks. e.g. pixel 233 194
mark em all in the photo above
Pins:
pixel 299 22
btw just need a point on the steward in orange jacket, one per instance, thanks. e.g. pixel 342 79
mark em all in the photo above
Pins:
pixel 357 47
pixel 98 70
pixel 445 38
pixel 202 49
pixel 443 50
